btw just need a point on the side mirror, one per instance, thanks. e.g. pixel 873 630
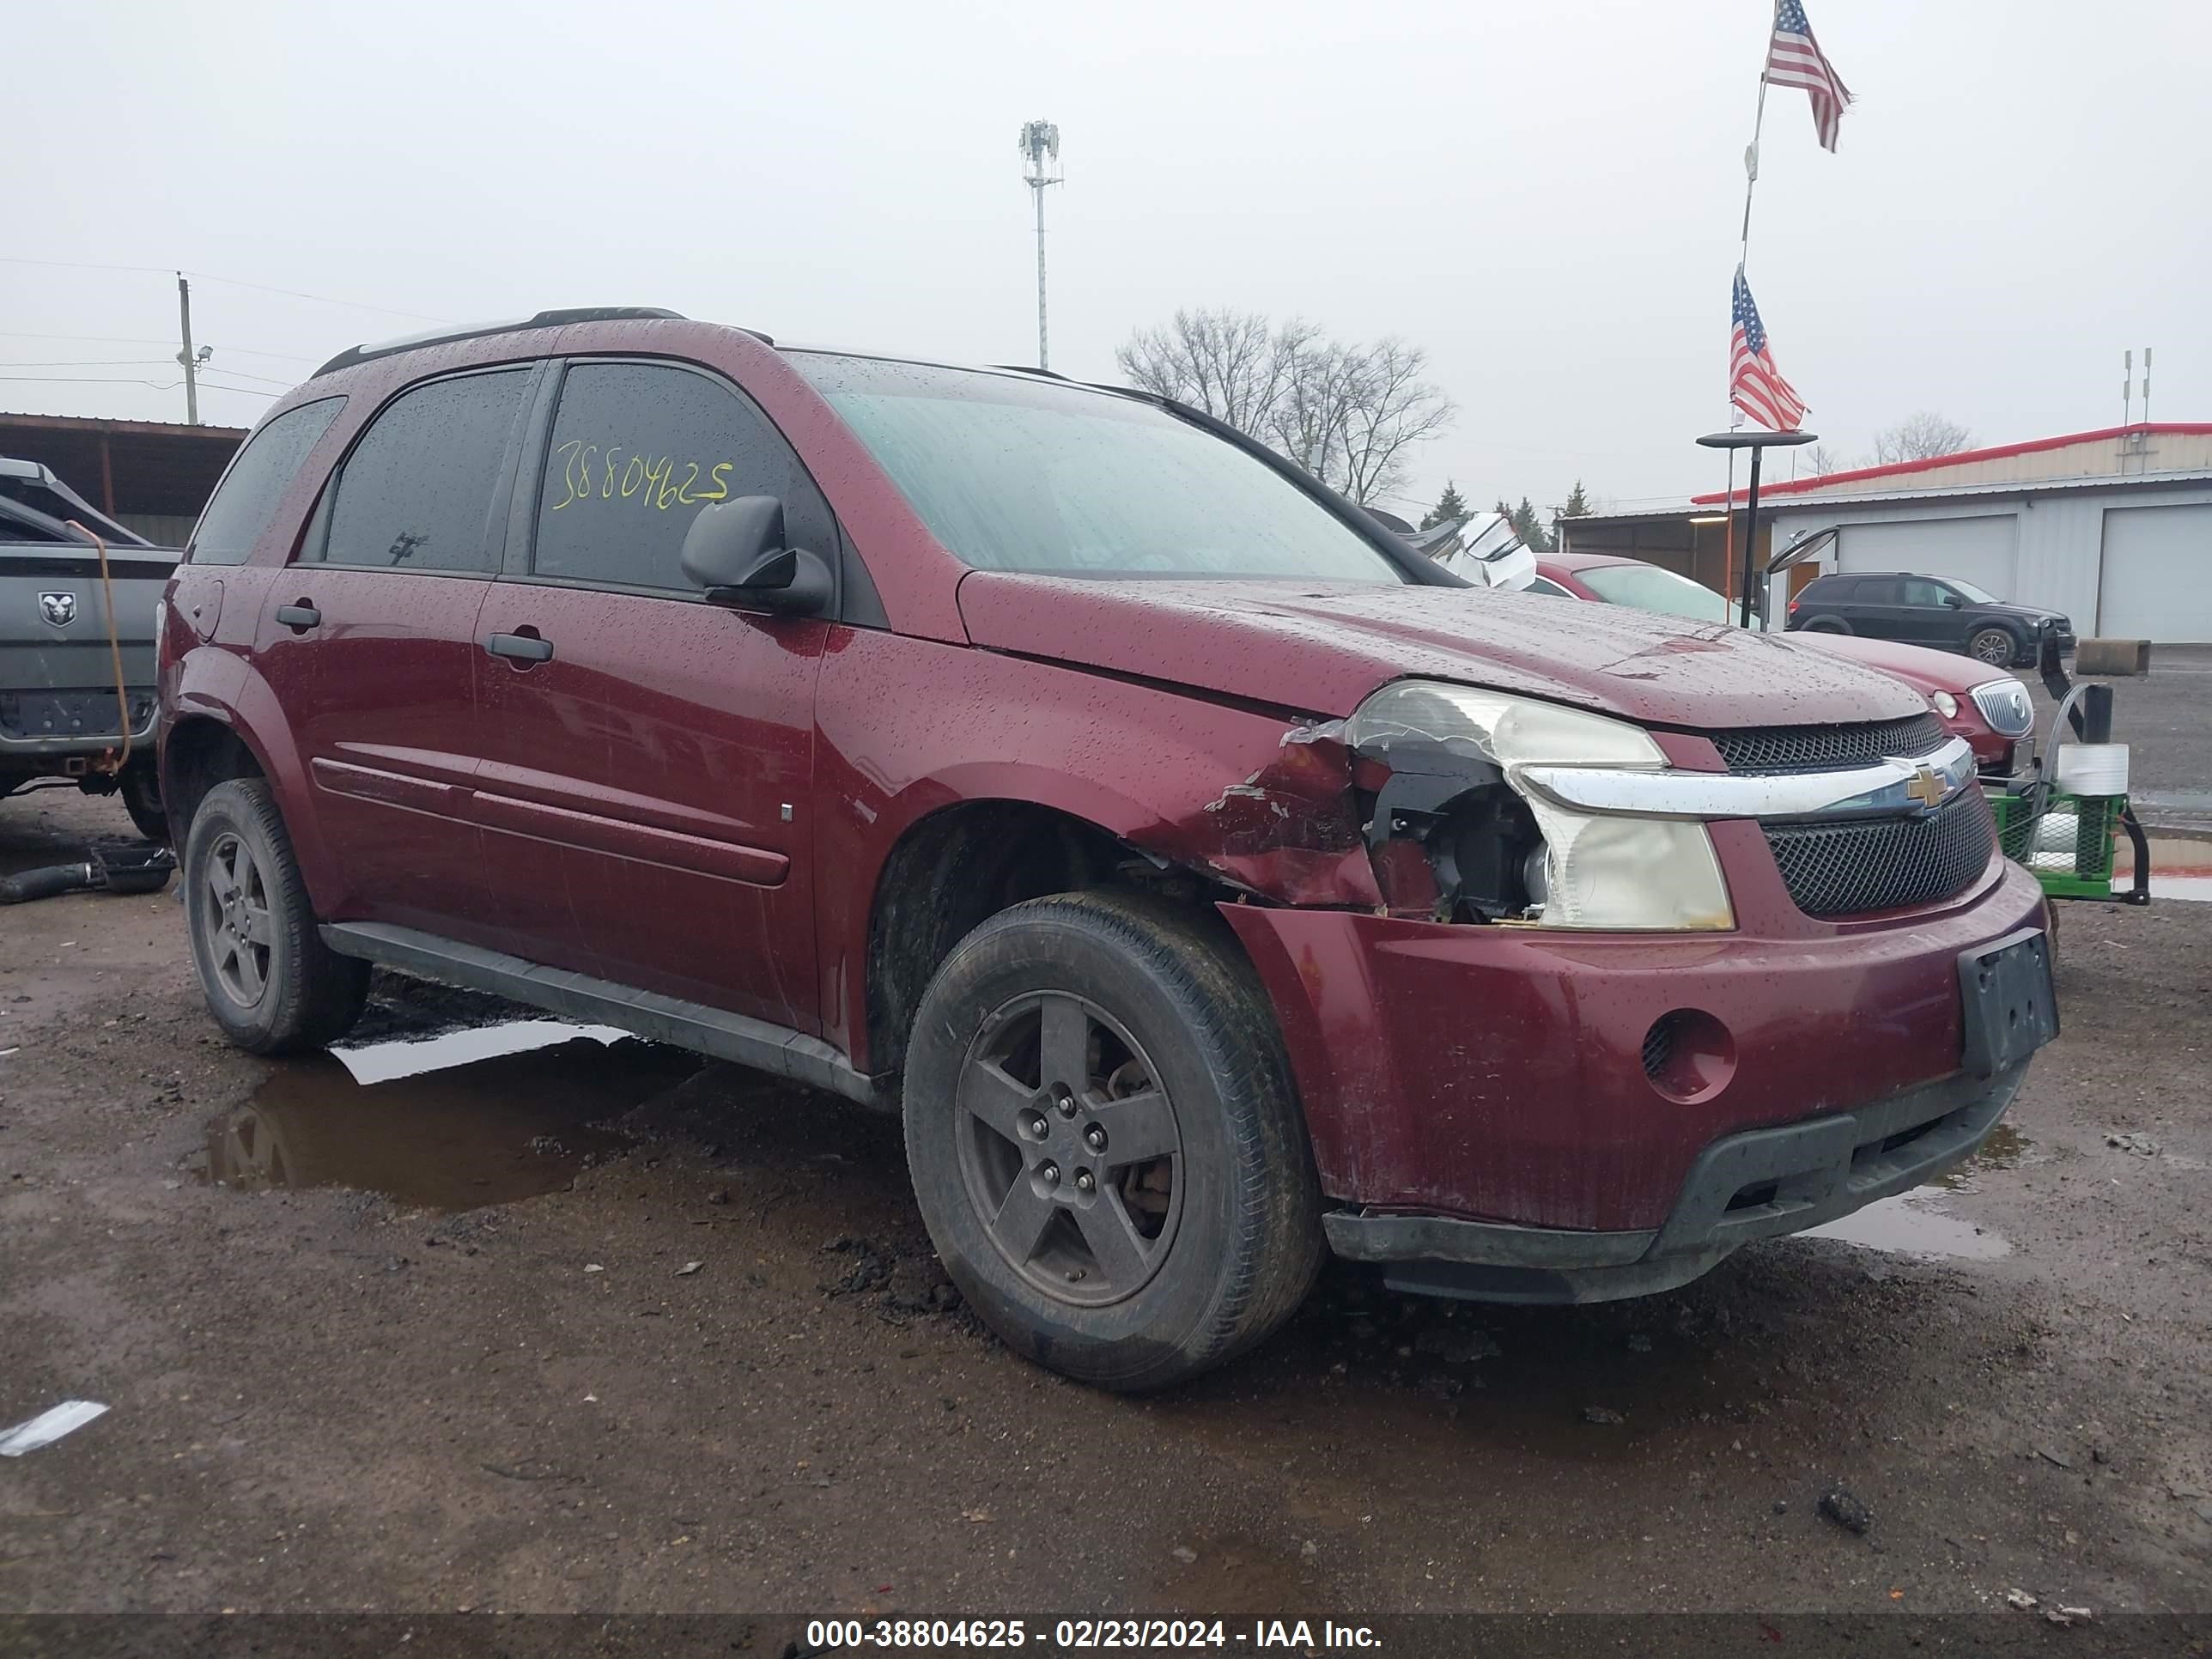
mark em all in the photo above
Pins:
pixel 735 552
pixel 1953 602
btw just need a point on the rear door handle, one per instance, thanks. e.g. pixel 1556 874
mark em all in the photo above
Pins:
pixel 523 648
pixel 302 615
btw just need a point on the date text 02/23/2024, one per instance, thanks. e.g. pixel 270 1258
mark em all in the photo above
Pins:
pixel 1084 1635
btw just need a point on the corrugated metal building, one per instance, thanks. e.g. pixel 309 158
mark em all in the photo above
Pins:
pixel 2114 528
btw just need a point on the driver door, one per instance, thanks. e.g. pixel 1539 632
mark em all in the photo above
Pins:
pixel 646 790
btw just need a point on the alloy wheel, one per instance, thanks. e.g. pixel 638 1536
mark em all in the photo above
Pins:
pixel 1069 1148
pixel 234 920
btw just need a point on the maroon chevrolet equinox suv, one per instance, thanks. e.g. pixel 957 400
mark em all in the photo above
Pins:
pixel 1211 882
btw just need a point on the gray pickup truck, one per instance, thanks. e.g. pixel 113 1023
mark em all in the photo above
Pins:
pixel 58 713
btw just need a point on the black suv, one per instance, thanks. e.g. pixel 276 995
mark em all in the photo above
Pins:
pixel 1938 610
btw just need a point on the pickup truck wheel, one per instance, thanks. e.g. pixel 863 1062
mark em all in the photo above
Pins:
pixel 1993 646
pixel 270 981
pixel 142 799
pixel 1105 1143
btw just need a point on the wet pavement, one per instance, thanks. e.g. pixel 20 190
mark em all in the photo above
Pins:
pixel 598 1326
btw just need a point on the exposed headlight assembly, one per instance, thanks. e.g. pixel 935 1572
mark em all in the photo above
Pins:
pixel 1458 760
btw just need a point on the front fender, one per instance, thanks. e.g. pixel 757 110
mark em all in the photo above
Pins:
pixel 1255 800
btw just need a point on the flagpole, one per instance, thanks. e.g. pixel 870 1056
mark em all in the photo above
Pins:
pixel 1743 261
pixel 1757 125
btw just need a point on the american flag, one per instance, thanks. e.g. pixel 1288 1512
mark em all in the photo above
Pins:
pixel 1795 60
pixel 1754 384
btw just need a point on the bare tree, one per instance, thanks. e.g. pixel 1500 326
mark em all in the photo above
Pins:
pixel 1918 438
pixel 1821 460
pixel 1230 364
pixel 1349 414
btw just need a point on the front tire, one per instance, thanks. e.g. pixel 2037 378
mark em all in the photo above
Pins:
pixel 1993 646
pixel 270 981
pixel 1105 1143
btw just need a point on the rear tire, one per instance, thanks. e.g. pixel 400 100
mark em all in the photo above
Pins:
pixel 141 789
pixel 1994 646
pixel 270 981
pixel 1105 1142
pixel 1825 625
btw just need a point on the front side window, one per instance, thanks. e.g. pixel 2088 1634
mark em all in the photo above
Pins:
pixel 1015 474
pixel 1547 587
pixel 1977 595
pixel 416 492
pixel 246 500
pixel 1648 587
pixel 637 450
pixel 1925 595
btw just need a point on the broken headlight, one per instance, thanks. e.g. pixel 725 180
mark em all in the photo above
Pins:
pixel 1500 850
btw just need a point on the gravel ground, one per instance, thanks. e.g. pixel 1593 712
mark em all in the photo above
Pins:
pixel 465 1360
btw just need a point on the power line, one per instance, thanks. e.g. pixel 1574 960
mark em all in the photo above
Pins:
pixel 210 277
pixel 283 382
pixel 140 339
pixel 124 379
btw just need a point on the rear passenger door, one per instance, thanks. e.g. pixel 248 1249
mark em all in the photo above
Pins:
pixel 1871 607
pixel 368 641
pixel 647 777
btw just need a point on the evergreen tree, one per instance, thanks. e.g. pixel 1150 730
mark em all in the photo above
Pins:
pixel 1577 505
pixel 1527 525
pixel 1449 505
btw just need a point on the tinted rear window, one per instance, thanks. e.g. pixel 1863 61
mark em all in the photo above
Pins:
pixel 246 500
pixel 416 492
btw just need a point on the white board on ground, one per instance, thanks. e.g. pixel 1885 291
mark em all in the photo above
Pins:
pixel 48 1426
pixel 380 1062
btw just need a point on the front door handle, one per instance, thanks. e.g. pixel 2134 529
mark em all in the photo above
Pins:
pixel 302 615
pixel 521 648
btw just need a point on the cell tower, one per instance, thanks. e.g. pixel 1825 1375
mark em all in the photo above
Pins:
pixel 1040 157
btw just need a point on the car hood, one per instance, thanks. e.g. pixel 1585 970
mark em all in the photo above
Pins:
pixel 1321 647
pixel 1919 666
pixel 2027 613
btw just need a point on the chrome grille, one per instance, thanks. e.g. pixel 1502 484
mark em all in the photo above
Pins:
pixel 2006 706
pixel 1885 864
pixel 1777 749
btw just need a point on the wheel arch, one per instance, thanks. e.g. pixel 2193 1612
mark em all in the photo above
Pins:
pixel 964 860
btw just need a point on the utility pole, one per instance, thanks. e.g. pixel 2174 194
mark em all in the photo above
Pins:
pixel 190 359
pixel 1040 148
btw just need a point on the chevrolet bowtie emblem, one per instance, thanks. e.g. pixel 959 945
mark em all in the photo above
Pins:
pixel 1925 786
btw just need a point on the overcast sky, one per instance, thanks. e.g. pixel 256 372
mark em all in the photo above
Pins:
pixel 1545 196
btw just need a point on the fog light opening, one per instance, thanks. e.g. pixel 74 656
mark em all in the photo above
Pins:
pixel 1688 1055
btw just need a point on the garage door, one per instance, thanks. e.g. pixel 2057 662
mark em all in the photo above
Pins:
pixel 2157 579
pixel 1978 550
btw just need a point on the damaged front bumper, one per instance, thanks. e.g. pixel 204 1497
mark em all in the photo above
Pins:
pixel 1756 1184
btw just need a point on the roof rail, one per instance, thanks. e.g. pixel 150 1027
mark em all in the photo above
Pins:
pixel 560 318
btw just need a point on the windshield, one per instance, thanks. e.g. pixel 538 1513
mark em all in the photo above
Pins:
pixel 1979 596
pixel 1013 474
pixel 1647 587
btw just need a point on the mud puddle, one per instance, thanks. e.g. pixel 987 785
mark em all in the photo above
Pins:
pixel 2002 1149
pixel 1912 1225
pixel 486 1132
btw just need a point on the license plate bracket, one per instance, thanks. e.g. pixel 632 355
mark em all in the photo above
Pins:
pixel 2007 1003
